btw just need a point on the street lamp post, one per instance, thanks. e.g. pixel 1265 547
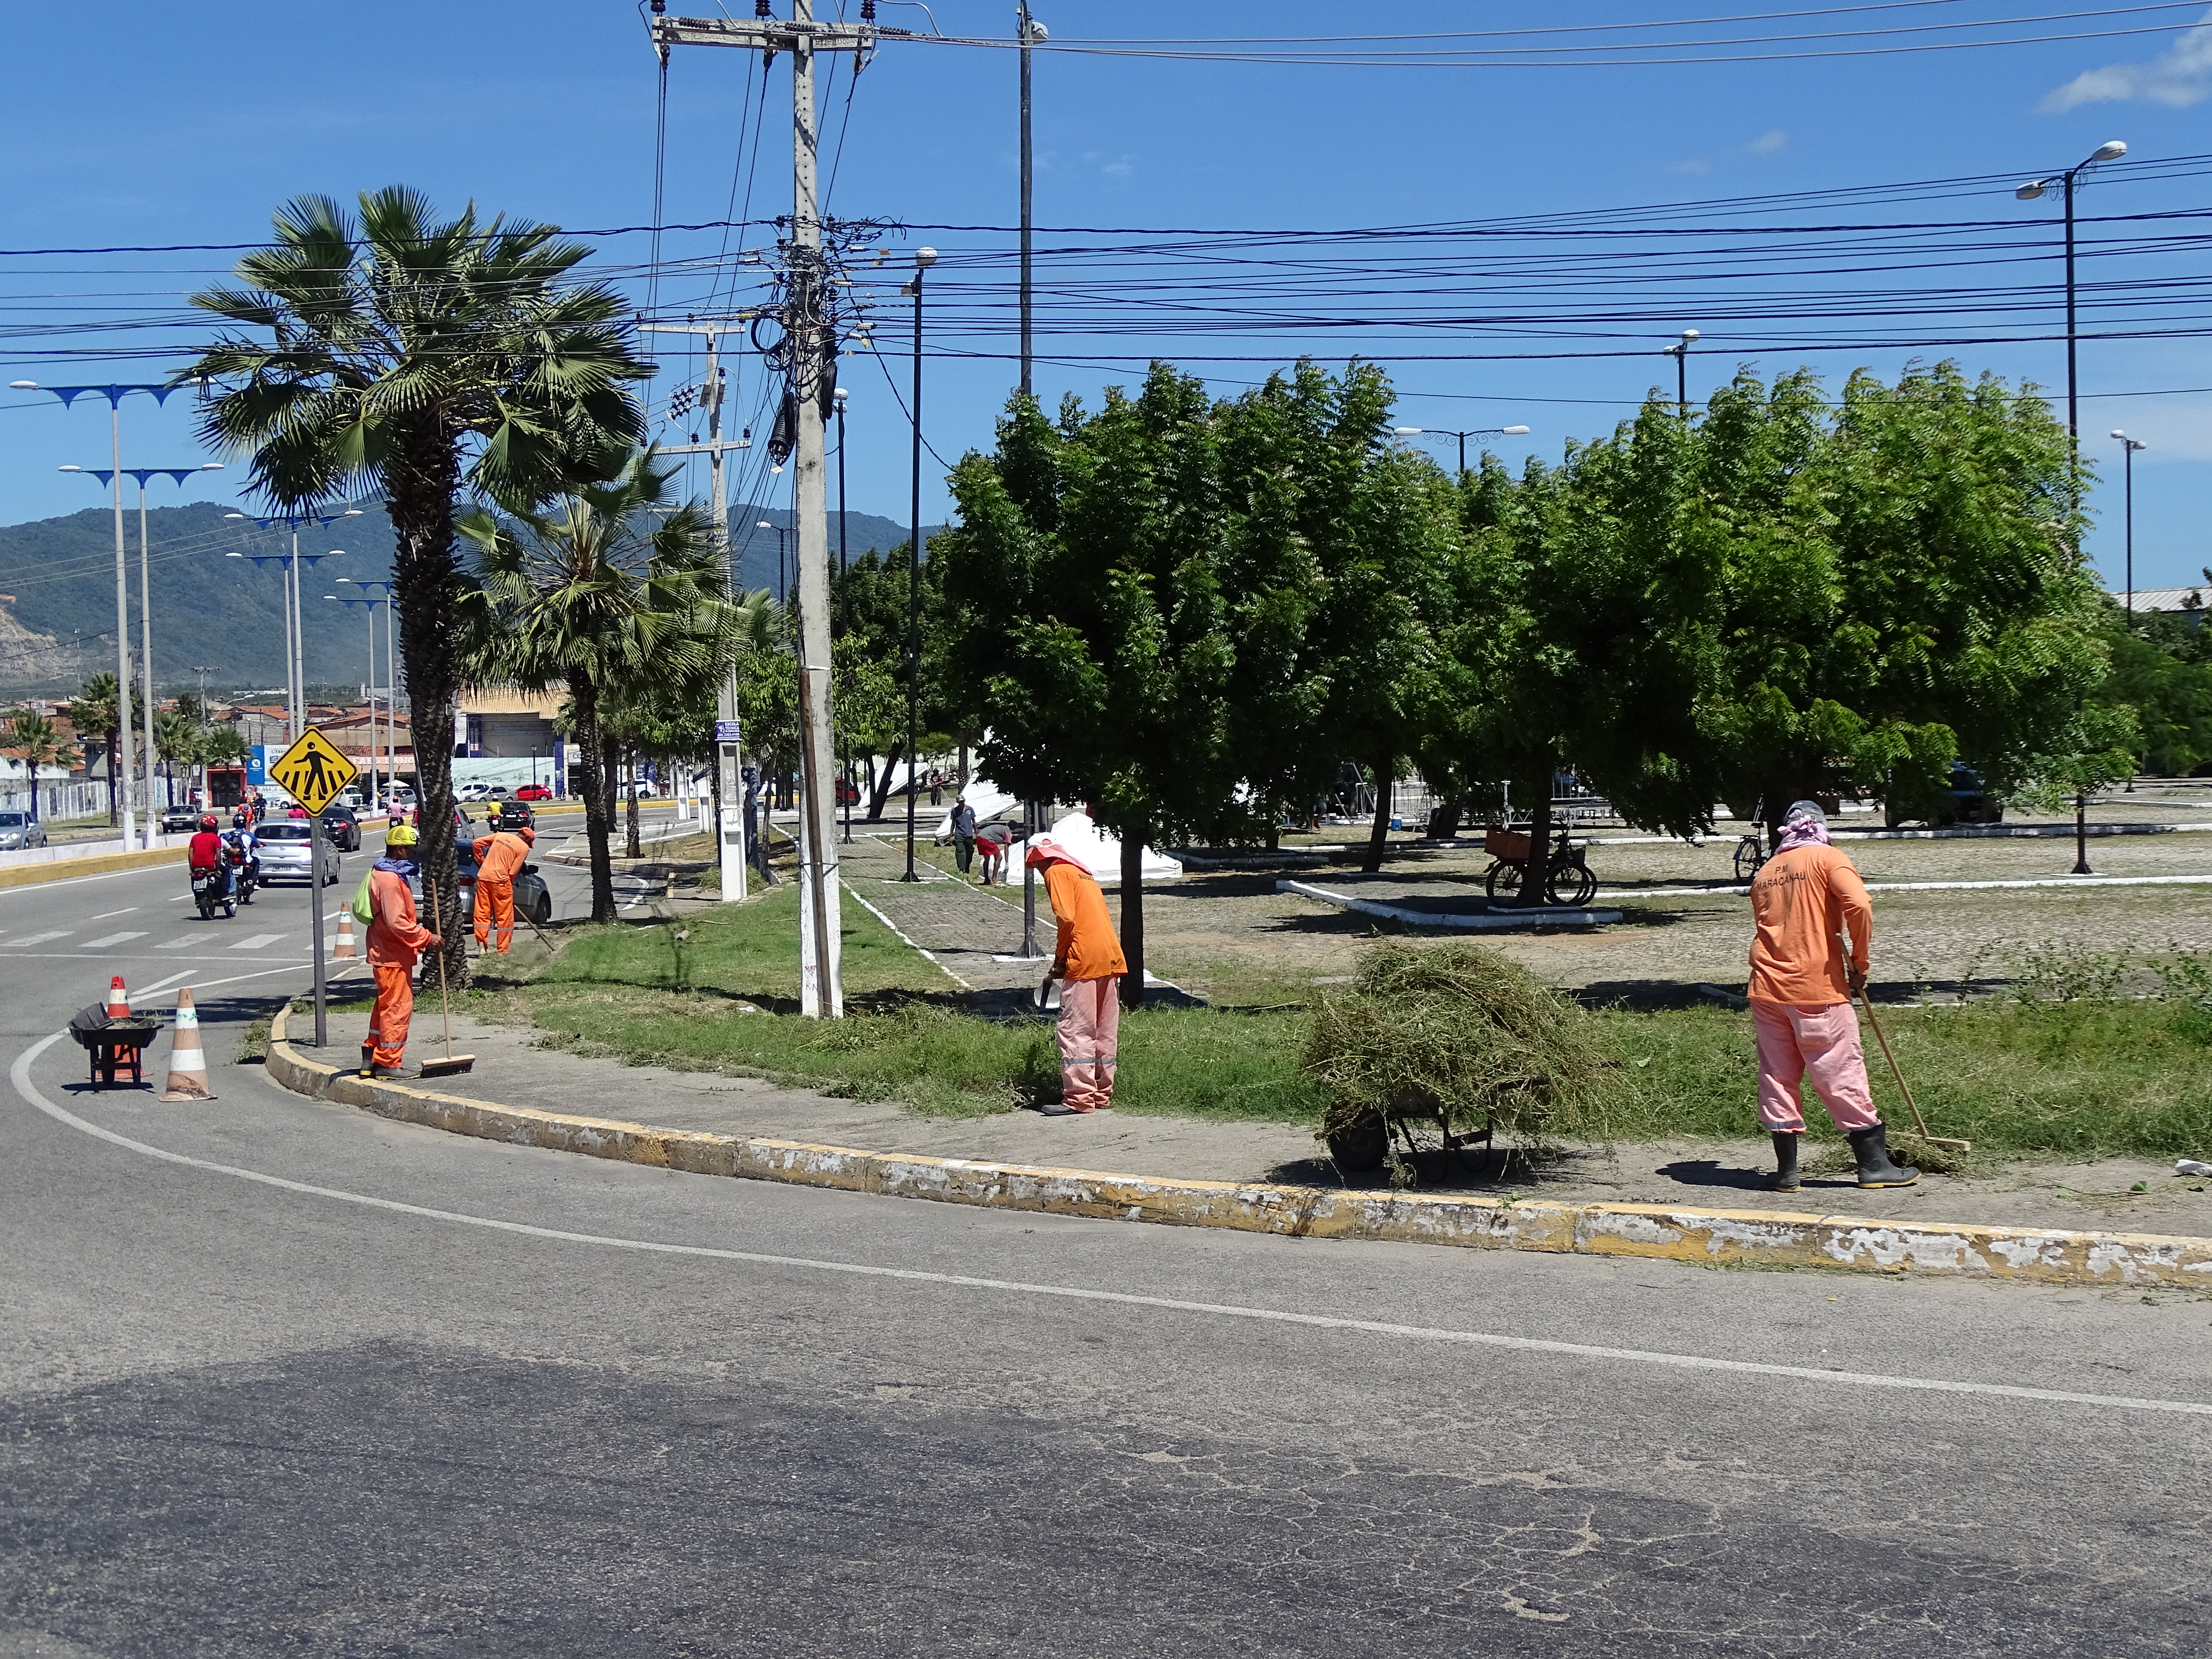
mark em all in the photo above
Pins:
pixel 125 762
pixel 1472 432
pixel 295 648
pixel 844 600
pixel 782 586
pixel 146 597
pixel 2128 447
pixel 923 258
pixel 369 604
pixel 1679 351
pixel 2111 150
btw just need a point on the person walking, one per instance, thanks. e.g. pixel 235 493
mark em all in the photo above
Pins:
pixel 1088 962
pixel 500 856
pixel 964 835
pixel 1801 899
pixel 396 939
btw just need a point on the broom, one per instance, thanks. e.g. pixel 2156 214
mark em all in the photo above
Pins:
pixel 453 1062
pixel 1903 1087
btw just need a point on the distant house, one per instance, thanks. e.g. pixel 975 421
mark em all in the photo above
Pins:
pixel 2191 601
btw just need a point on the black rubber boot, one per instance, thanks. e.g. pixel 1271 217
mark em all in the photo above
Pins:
pixel 1870 1146
pixel 1784 1178
pixel 367 1058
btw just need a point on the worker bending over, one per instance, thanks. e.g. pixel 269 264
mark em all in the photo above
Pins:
pixel 499 859
pixel 1087 960
pixel 396 939
pixel 1801 899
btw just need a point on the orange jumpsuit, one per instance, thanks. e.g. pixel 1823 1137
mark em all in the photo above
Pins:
pixel 499 857
pixel 395 941
pixel 1087 961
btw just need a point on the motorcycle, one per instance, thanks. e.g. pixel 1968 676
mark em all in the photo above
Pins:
pixel 210 889
pixel 245 871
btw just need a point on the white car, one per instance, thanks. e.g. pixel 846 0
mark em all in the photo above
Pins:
pixel 474 791
pixel 285 851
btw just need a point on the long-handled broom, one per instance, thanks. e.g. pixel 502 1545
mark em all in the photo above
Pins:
pixel 453 1062
pixel 1903 1087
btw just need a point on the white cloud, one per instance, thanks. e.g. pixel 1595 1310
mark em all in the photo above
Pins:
pixel 2180 75
pixel 1696 167
pixel 1767 142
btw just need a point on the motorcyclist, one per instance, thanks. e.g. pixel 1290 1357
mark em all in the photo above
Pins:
pixel 243 849
pixel 205 856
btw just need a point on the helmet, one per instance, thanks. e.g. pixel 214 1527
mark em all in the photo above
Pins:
pixel 400 834
pixel 207 821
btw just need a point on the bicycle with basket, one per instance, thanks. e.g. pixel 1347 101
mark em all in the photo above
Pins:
pixel 1568 878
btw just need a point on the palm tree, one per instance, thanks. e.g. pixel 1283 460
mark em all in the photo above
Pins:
pixel 620 594
pixel 419 356
pixel 96 711
pixel 180 741
pixel 33 738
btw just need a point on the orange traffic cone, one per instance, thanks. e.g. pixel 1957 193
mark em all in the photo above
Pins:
pixel 188 1077
pixel 345 934
pixel 118 999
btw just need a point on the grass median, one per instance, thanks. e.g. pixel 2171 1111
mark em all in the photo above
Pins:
pixel 2054 1067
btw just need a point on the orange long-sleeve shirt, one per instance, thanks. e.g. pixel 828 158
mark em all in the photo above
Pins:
pixel 1087 948
pixel 1798 901
pixel 395 938
pixel 500 856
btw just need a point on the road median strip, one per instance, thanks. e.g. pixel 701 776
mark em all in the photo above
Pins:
pixel 1736 1237
pixel 97 864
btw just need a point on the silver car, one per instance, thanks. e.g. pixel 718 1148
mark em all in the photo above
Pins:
pixel 285 850
pixel 19 830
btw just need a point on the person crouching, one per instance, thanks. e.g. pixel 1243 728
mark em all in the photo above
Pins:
pixel 1087 960
pixel 500 858
pixel 1801 998
pixel 396 939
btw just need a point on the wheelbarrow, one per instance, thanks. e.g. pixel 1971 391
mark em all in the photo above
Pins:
pixel 112 1045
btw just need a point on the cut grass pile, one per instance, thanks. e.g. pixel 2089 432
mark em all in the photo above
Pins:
pixel 2085 1075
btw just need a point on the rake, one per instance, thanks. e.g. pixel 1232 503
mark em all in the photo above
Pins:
pixel 1903 1087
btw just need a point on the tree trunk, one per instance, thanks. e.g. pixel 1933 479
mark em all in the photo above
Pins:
pixel 1385 787
pixel 637 848
pixel 1133 837
pixel 1443 822
pixel 584 700
pixel 1534 885
pixel 883 789
pixel 420 480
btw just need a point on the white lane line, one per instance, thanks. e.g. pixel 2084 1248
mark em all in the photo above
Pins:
pixel 163 984
pixel 33 938
pixel 186 941
pixel 259 942
pixel 112 939
pixel 20 1075
pixel 124 911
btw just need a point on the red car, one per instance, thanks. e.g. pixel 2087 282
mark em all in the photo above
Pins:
pixel 532 792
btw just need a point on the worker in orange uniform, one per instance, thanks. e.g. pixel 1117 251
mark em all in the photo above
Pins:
pixel 499 859
pixel 395 941
pixel 1088 962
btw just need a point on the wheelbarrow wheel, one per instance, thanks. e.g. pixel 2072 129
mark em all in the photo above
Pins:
pixel 1363 1144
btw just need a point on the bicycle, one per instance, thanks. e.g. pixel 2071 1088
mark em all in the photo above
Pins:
pixel 1568 880
pixel 1751 853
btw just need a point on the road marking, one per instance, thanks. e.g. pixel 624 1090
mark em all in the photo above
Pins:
pixel 185 941
pixel 163 984
pixel 124 911
pixel 33 938
pixel 20 1075
pixel 259 942
pixel 112 939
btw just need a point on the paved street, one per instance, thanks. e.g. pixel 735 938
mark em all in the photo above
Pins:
pixel 277 1376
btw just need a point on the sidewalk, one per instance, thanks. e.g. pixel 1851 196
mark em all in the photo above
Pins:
pixel 965 927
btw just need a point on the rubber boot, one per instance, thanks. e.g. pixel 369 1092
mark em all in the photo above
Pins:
pixel 367 1058
pixel 1870 1146
pixel 1784 1178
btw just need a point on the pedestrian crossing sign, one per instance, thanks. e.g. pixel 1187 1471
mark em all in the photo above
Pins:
pixel 312 771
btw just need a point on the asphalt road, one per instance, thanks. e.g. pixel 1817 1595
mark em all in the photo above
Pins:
pixel 279 1377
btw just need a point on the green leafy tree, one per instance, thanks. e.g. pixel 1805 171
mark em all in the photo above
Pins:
pixel 619 594
pixel 32 739
pixel 420 356
pixel 95 711
pixel 2162 670
pixel 178 740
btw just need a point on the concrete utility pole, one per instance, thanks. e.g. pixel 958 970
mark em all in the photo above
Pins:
pixel 729 738
pixel 1032 31
pixel 814 364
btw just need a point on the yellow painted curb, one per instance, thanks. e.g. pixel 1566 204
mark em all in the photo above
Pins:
pixel 100 864
pixel 1742 1237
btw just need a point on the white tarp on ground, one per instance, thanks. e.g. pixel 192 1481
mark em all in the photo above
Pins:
pixel 1098 851
pixel 989 801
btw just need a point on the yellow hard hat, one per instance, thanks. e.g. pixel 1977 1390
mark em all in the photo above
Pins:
pixel 400 834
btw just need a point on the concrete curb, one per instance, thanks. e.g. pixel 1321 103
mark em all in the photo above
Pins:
pixel 99 863
pixel 1735 1237
pixel 1549 916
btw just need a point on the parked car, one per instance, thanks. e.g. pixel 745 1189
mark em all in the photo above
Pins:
pixel 181 820
pixel 286 850
pixel 533 901
pixel 342 827
pixel 1968 801
pixel 533 792
pixel 19 830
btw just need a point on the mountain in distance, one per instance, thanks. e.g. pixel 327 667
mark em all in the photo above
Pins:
pixel 225 615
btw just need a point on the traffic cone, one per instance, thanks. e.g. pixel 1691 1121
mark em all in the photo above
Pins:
pixel 345 934
pixel 188 1077
pixel 118 999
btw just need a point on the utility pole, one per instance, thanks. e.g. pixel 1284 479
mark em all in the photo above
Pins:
pixel 1032 31
pixel 729 746
pixel 812 348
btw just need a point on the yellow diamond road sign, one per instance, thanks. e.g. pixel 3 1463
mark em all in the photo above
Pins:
pixel 312 771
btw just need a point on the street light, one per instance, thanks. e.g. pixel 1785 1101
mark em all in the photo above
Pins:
pixel 1679 351
pixel 295 648
pixel 2128 447
pixel 782 586
pixel 923 258
pixel 1472 432
pixel 369 689
pixel 2111 150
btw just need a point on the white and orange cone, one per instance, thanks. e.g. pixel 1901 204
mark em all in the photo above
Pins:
pixel 344 949
pixel 188 1077
pixel 118 999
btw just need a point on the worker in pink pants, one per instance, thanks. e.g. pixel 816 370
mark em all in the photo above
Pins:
pixel 1088 962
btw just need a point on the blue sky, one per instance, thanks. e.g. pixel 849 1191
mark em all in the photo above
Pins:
pixel 187 124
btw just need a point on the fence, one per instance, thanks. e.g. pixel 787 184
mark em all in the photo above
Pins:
pixel 58 802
